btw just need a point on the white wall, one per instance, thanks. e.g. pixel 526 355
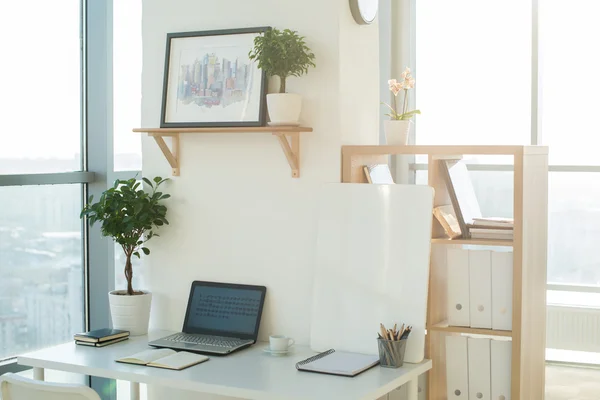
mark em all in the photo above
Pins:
pixel 236 214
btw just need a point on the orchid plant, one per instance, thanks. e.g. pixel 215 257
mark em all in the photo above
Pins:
pixel 407 83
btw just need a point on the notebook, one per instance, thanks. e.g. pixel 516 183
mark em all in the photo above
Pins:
pixel 338 363
pixel 164 358
pixel 100 335
pixel 101 344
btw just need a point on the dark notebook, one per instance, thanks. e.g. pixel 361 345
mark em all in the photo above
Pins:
pixel 100 335
pixel 101 344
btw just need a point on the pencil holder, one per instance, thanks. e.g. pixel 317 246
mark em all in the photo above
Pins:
pixel 391 352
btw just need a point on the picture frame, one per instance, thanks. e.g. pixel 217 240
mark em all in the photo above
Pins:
pixel 209 80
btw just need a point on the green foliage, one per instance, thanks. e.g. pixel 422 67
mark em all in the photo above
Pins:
pixel 129 215
pixel 283 54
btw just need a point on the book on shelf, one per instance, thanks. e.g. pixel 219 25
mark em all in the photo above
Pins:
pixel 164 358
pixel 446 218
pixel 378 174
pixel 502 234
pixel 100 335
pixel 101 344
pixel 505 223
pixel 461 192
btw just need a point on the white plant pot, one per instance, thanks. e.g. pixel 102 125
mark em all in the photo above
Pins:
pixel 397 132
pixel 284 108
pixel 130 313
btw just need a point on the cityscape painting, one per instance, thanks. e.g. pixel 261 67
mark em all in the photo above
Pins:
pixel 210 81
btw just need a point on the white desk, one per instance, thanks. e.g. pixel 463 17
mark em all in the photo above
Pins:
pixel 247 374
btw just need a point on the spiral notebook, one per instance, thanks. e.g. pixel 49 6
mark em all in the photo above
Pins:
pixel 338 363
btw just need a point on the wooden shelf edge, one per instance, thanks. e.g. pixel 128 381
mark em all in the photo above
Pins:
pixel 444 327
pixel 476 242
pixel 233 129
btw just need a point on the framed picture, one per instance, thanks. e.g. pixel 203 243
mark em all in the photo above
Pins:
pixel 209 80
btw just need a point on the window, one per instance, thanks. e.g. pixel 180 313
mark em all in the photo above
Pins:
pixel 41 122
pixel 41 240
pixel 475 86
pixel 46 170
pixel 41 290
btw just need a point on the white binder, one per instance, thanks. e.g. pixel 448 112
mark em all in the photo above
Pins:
pixel 480 287
pixel 502 281
pixel 423 387
pixel 479 369
pixel 457 370
pixel 501 351
pixel 457 262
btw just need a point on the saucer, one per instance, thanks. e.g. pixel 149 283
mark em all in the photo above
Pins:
pixel 276 352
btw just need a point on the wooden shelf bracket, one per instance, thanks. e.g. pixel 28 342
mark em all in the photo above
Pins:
pixel 291 147
pixel 172 156
pixel 291 150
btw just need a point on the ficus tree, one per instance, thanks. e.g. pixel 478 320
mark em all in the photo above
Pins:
pixel 129 215
pixel 283 54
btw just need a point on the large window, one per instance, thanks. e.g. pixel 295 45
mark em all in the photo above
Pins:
pixel 41 240
pixel 74 96
pixel 519 72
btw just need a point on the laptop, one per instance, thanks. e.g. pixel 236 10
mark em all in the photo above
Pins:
pixel 221 318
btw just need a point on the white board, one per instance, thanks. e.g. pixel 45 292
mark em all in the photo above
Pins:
pixel 372 266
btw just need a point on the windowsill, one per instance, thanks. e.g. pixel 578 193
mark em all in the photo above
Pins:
pixel 572 357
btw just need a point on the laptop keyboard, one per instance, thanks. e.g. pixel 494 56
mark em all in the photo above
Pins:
pixel 206 340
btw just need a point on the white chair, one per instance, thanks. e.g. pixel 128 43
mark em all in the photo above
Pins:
pixel 15 387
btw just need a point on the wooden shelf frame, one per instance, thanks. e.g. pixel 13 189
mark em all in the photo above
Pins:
pixel 287 136
pixel 444 327
pixel 472 242
pixel 530 243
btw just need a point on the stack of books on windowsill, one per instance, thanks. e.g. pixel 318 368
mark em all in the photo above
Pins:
pixel 492 228
pixel 101 337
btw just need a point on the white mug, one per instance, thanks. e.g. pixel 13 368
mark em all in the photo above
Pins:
pixel 280 342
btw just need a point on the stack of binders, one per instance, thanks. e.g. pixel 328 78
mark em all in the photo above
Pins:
pixel 101 337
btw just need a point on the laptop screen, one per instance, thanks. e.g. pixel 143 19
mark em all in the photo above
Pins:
pixel 224 309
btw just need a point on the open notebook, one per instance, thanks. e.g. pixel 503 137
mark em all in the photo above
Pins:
pixel 338 363
pixel 164 358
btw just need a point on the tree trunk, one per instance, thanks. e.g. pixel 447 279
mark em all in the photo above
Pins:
pixel 282 84
pixel 129 274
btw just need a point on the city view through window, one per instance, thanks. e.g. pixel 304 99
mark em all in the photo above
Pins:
pixel 41 240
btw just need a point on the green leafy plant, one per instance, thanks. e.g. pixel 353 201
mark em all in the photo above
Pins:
pixel 129 215
pixel 283 54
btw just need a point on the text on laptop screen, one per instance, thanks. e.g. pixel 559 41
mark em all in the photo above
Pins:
pixel 224 309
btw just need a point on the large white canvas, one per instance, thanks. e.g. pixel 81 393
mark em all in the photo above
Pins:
pixel 372 265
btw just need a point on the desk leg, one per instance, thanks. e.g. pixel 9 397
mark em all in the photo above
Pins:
pixel 38 374
pixel 412 389
pixel 134 391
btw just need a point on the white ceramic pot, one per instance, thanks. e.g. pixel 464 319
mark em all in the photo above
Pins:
pixel 284 108
pixel 130 313
pixel 397 132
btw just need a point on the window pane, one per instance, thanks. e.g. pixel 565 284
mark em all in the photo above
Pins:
pixel 473 63
pixel 127 78
pixel 41 290
pixel 41 121
pixel 568 37
pixel 574 228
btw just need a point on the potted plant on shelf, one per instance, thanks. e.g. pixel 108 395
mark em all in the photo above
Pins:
pixel 397 128
pixel 283 54
pixel 129 216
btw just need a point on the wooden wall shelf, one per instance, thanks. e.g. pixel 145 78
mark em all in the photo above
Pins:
pixel 530 204
pixel 291 147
